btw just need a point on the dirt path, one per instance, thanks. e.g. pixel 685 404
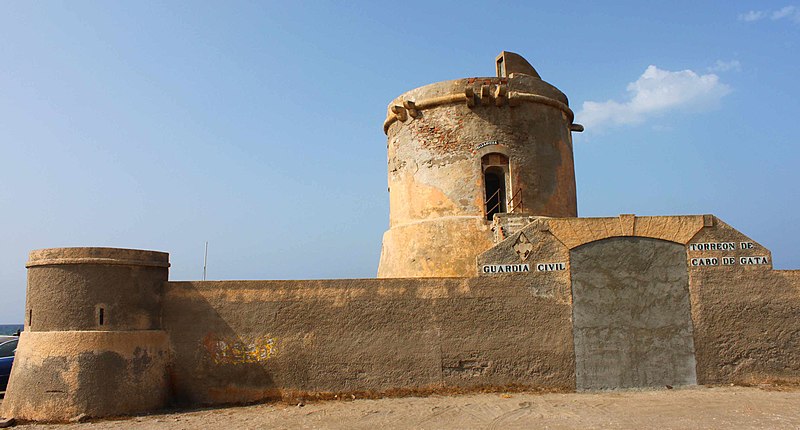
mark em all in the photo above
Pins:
pixel 697 407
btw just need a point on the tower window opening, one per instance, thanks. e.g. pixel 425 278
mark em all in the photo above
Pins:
pixel 495 170
pixel 101 316
pixel 501 68
pixel 495 181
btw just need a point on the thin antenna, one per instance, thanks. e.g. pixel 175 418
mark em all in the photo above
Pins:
pixel 205 261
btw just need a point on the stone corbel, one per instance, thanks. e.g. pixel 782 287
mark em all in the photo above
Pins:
pixel 500 95
pixel 469 94
pixel 400 112
pixel 411 108
pixel 485 91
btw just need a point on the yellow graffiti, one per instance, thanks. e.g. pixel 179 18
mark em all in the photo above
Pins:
pixel 238 351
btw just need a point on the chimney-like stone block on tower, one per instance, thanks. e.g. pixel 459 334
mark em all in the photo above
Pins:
pixel 509 63
pixel 474 148
pixel 93 343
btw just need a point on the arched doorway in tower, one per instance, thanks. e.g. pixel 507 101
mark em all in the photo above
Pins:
pixel 495 178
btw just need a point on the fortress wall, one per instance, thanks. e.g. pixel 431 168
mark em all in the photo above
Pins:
pixel 746 325
pixel 240 341
pixel 745 316
pixel 647 296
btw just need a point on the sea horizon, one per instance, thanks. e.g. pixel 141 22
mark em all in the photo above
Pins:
pixel 9 329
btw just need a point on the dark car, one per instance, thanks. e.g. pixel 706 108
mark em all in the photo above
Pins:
pixel 7 350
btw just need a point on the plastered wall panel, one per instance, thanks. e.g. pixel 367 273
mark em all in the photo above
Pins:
pixel 631 314
pixel 747 325
pixel 264 339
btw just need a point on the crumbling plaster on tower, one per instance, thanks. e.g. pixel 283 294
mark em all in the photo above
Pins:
pixel 435 175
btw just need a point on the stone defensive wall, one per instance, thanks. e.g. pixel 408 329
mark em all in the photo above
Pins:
pixel 559 304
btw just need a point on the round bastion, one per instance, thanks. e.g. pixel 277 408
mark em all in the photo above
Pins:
pixel 94 289
pixel 93 342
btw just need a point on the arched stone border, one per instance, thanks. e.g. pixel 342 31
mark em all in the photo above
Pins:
pixel 574 232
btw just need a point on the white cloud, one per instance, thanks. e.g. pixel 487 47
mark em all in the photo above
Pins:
pixel 656 92
pixel 785 12
pixel 791 13
pixel 726 66
pixel 753 15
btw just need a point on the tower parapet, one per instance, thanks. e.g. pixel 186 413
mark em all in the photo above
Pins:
pixel 461 151
pixel 93 342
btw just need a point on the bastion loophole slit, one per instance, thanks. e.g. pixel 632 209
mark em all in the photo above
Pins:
pixel 101 316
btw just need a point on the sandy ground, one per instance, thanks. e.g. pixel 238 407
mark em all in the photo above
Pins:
pixel 691 408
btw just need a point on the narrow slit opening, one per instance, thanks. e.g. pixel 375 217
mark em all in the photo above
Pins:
pixel 101 316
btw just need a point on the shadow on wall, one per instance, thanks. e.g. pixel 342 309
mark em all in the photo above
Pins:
pixel 212 362
pixel 244 341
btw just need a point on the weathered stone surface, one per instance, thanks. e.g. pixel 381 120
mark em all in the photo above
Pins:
pixel 543 248
pixel 744 312
pixel 631 314
pixel 511 63
pixel 574 232
pixel 506 225
pixel 91 343
pixel 407 252
pixel 746 315
pixel 68 287
pixel 747 325
pixel 106 334
pixel 58 375
pixel 341 336
pixel 250 340
pixel 436 180
pixel 721 236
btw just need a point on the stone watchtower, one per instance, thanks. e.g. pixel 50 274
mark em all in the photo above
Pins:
pixel 462 151
pixel 93 343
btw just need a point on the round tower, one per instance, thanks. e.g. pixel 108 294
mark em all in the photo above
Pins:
pixel 460 152
pixel 92 342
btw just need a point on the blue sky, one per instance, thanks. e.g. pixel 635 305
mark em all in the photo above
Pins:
pixel 256 126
